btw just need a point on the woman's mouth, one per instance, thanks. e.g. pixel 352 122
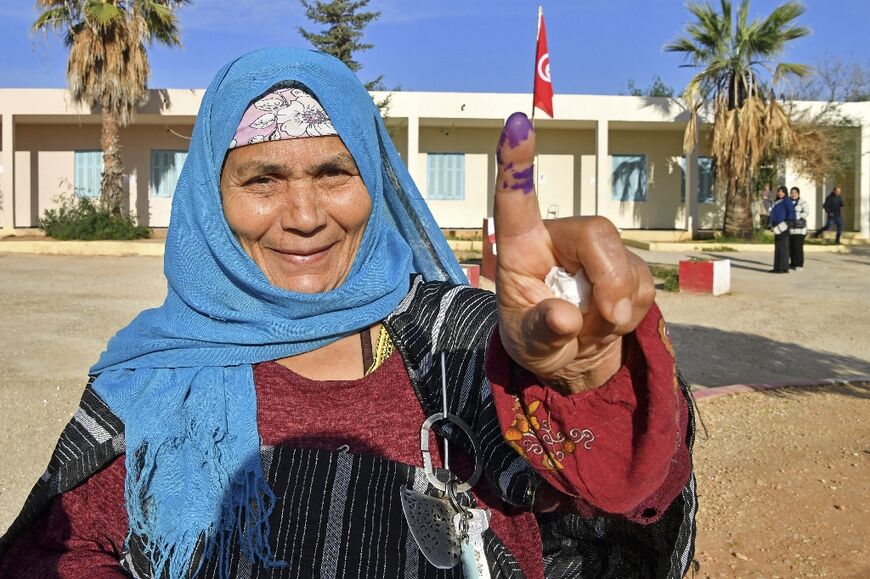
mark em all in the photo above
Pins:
pixel 303 256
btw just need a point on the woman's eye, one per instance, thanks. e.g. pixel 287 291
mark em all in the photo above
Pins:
pixel 259 180
pixel 335 177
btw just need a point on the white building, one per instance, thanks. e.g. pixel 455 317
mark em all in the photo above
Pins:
pixel 616 156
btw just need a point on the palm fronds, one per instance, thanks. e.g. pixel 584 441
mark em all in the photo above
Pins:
pixel 736 77
pixel 108 64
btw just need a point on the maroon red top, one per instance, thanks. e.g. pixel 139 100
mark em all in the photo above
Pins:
pixel 619 448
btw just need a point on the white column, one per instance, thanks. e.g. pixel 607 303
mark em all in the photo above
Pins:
pixel 7 177
pixel 602 164
pixel 133 195
pixel 808 187
pixel 691 224
pixel 863 193
pixel 414 151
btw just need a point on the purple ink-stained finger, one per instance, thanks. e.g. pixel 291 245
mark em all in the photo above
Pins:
pixel 516 172
pixel 517 128
pixel 524 180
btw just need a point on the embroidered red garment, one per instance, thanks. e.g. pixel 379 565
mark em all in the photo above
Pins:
pixel 634 461
pixel 619 448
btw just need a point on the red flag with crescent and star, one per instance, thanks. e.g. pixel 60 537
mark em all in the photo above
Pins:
pixel 543 97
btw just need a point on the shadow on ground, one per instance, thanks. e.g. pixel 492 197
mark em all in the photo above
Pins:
pixel 711 357
pixel 742 262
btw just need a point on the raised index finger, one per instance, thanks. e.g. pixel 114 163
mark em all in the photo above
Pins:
pixel 516 204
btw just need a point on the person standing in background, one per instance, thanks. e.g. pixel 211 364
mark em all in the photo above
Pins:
pixel 765 202
pixel 781 214
pixel 798 231
pixel 834 211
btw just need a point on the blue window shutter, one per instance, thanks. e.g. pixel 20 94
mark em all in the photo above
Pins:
pixel 78 180
pixel 156 172
pixel 706 180
pixel 446 176
pixel 683 179
pixel 165 169
pixel 460 190
pixel 628 179
pixel 438 187
pixel 459 177
pixel 96 175
pixel 88 173
pixel 432 176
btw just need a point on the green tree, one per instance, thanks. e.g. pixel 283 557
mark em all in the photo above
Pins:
pixel 736 82
pixel 108 64
pixel 345 23
pixel 658 88
pixel 831 135
pixel 345 27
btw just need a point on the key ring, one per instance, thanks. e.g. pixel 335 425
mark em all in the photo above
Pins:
pixel 464 514
pixel 427 456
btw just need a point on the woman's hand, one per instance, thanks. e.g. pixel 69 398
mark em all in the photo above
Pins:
pixel 546 335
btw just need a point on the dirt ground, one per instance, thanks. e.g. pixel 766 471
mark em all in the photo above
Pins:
pixel 783 484
pixel 782 474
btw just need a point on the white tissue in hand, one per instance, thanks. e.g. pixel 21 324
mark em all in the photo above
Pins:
pixel 575 289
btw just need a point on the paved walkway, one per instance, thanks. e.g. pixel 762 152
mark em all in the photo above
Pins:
pixel 774 328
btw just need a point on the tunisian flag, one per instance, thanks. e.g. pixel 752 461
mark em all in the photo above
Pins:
pixel 543 98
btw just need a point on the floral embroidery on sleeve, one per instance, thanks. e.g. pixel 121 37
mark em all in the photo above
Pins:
pixel 532 435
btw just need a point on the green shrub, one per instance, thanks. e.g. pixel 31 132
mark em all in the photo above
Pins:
pixel 84 218
pixel 758 236
pixel 669 275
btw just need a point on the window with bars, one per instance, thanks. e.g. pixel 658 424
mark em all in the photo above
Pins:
pixel 165 168
pixel 445 176
pixel 706 180
pixel 88 173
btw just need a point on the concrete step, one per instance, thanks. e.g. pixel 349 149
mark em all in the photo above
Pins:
pixel 465 244
pixel 848 237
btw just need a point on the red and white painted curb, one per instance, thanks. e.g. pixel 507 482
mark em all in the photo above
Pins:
pixel 706 276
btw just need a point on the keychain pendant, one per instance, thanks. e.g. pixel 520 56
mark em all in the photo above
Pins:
pixel 470 526
pixel 430 521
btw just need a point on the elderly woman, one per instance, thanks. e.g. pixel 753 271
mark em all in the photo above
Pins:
pixel 280 414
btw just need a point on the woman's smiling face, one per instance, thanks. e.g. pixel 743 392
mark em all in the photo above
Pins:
pixel 299 208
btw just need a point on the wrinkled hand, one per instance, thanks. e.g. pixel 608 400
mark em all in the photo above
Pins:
pixel 549 336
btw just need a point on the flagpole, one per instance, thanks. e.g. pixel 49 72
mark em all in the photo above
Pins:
pixel 537 37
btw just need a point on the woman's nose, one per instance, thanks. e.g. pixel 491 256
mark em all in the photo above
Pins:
pixel 302 211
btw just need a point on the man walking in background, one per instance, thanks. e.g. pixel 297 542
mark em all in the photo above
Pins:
pixel 833 210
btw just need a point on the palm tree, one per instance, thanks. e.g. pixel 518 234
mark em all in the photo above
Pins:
pixel 108 64
pixel 736 82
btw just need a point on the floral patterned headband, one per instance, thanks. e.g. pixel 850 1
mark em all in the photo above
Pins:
pixel 287 111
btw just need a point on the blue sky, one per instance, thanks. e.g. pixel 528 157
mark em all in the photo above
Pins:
pixel 447 45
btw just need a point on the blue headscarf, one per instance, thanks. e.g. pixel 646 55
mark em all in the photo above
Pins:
pixel 180 376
